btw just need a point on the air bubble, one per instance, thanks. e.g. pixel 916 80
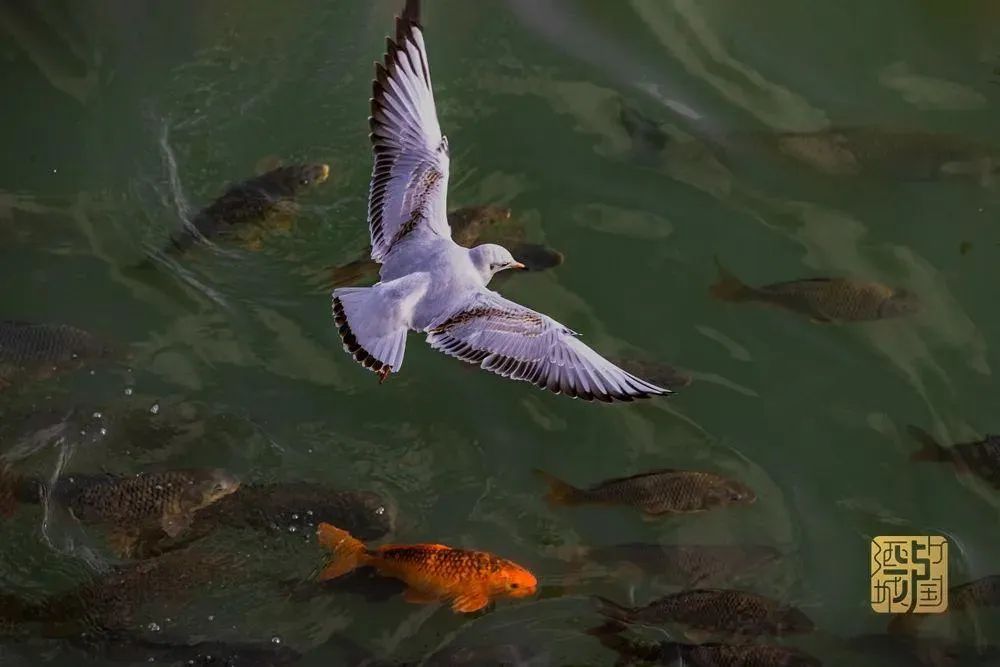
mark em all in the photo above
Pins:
pixel 153 627
pixel 276 639
pixel 97 415
pixel 154 409
pixel 128 391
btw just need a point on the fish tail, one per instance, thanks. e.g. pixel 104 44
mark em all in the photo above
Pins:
pixel 728 287
pixel 618 613
pixel 348 553
pixel 560 493
pixel 931 450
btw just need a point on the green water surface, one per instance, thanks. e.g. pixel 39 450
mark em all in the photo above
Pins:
pixel 120 116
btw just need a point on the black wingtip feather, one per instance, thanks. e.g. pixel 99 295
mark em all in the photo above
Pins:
pixel 351 344
pixel 411 11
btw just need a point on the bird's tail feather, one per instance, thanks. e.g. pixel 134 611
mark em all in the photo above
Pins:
pixel 371 334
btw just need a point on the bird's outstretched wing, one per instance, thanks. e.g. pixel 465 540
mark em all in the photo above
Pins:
pixel 519 343
pixel 410 178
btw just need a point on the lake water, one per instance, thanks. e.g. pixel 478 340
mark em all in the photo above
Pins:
pixel 635 137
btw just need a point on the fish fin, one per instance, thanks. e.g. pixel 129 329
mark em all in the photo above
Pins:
pixel 560 493
pixel 612 609
pixel 254 244
pixel 348 553
pixel 123 542
pixel 432 547
pixel 728 287
pixel 282 217
pixel 175 523
pixel 469 602
pixel 931 449
pixel 414 596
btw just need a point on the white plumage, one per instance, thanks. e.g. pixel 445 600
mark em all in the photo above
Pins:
pixel 431 284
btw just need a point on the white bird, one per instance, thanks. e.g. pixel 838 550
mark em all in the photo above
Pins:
pixel 431 284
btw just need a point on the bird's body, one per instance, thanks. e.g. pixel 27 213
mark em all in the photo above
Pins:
pixel 430 283
pixel 438 267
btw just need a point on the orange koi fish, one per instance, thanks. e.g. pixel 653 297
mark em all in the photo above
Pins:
pixel 432 572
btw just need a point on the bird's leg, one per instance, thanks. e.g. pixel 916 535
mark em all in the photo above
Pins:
pixel 384 374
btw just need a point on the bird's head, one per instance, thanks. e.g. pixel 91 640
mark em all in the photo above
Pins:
pixel 490 258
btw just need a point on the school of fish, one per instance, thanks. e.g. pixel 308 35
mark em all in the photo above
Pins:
pixel 160 522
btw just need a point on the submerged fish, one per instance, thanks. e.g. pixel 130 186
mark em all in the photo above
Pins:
pixel 171 498
pixel 646 134
pixel 822 299
pixel 287 505
pixel 712 611
pixel 710 655
pixel 689 565
pixel 656 493
pixel 984 592
pixel 116 600
pixel 38 351
pixel 975 594
pixel 432 572
pixel 469 225
pixel 656 372
pixel 981 458
pixel 130 505
pixel 268 199
pixel 536 257
pixel 926 651
pixel 913 155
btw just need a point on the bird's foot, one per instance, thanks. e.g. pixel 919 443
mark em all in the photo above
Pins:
pixel 383 374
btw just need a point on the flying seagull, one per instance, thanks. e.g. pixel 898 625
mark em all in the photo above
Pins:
pixel 431 284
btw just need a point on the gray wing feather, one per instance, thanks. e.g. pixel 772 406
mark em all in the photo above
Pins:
pixel 516 342
pixel 410 176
